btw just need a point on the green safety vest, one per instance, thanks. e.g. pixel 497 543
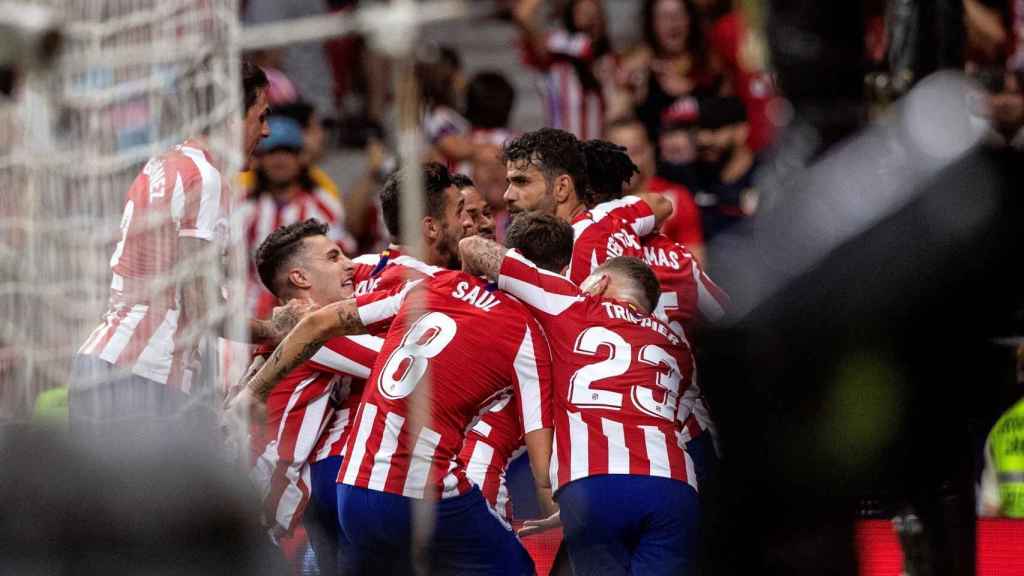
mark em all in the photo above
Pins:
pixel 1006 441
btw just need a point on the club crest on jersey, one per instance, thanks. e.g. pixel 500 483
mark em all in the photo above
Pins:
pixel 619 241
pixel 476 296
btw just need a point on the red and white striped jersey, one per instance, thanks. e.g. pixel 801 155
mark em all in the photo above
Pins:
pixel 569 105
pixel 386 271
pixel 490 446
pixel 179 194
pixel 618 377
pixel 308 417
pixel 688 297
pixel 264 214
pixel 598 236
pixel 472 345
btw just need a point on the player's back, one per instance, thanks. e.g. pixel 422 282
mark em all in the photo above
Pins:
pixel 386 271
pixel 471 344
pixel 619 376
pixel 599 235
pixel 688 297
pixel 178 194
pixel 491 444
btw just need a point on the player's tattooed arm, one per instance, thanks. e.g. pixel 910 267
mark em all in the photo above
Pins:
pixel 337 319
pixel 481 256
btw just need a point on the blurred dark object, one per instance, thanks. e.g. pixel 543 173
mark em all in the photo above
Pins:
pixel 993 80
pixel 8 80
pixel 135 507
pixel 864 308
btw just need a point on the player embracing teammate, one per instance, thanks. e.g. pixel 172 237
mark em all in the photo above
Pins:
pixel 465 368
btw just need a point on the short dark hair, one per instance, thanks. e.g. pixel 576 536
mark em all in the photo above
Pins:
pixel 636 270
pixel 299 110
pixel 609 168
pixel 436 179
pixel 281 246
pixel 489 100
pixel 554 152
pixel 254 79
pixel 544 239
pixel 461 181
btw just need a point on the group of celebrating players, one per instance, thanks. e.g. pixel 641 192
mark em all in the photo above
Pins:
pixel 393 408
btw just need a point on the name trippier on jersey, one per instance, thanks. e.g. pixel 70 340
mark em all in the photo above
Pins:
pixel 476 296
pixel 619 312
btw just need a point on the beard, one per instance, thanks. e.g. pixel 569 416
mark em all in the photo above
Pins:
pixel 448 249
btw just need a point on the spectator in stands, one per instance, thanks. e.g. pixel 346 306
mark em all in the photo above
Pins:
pixel 670 64
pixel 313 137
pixel 684 226
pixel 281 89
pixel 447 132
pixel 576 60
pixel 305 63
pixel 677 146
pixel 743 75
pixel 490 98
pixel 725 165
pixel 285 192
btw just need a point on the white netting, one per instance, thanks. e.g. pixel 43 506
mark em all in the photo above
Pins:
pixel 134 78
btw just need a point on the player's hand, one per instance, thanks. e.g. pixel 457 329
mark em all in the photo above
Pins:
pixel 531 527
pixel 284 318
pixel 244 407
pixel 237 387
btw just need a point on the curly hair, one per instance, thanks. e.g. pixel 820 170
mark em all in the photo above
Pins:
pixel 278 249
pixel 554 152
pixel 436 179
pixel 609 168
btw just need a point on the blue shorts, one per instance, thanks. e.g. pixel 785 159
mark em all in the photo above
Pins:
pixel 321 516
pixel 705 460
pixel 468 538
pixel 626 524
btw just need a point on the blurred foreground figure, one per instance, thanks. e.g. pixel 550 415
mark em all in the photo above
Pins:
pixel 130 509
pixel 1002 482
pixel 865 295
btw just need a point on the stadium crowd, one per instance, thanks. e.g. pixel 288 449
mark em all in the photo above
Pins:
pixel 554 313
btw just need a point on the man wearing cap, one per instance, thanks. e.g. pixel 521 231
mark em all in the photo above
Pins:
pixel 284 192
pixel 703 146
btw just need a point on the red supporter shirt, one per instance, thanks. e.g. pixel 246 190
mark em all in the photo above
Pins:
pixel 618 377
pixel 598 236
pixel 683 226
pixel 474 345
pixel 491 444
pixel 308 417
pixel 179 194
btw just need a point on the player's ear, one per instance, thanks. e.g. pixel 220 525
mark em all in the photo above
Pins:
pixel 595 284
pixel 297 278
pixel 431 229
pixel 563 187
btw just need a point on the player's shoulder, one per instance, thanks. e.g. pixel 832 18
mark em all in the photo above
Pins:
pixel 664 253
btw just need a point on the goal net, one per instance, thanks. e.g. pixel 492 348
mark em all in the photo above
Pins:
pixel 134 78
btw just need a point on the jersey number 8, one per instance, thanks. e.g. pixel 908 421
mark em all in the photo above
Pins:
pixel 426 338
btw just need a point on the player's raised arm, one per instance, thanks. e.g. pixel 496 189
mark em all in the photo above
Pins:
pixel 343 318
pixel 609 168
pixel 337 319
